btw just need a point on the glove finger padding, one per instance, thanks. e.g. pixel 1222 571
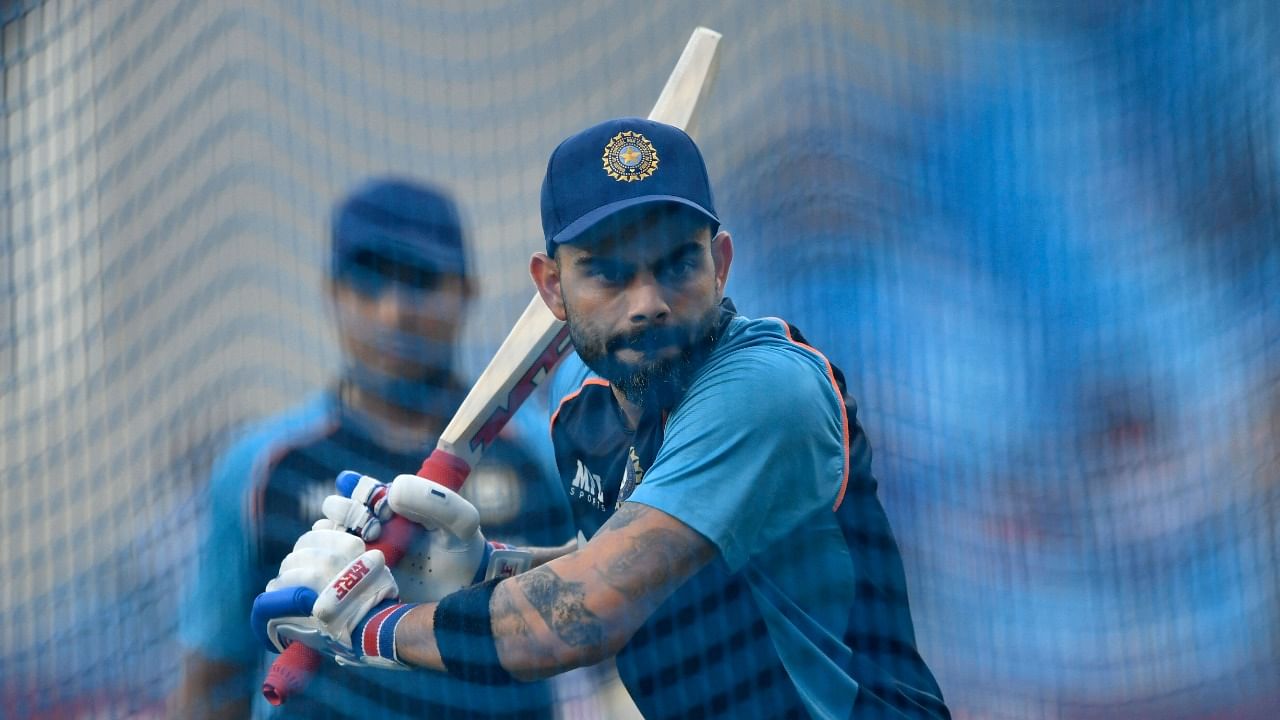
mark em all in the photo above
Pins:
pixel 327 524
pixel 338 543
pixel 343 603
pixel 360 506
pixel 368 491
pixel 318 556
pixel 346 513
pixel 433 505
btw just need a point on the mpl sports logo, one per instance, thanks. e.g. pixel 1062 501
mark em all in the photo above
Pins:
pixel 349 579
pixel 587 486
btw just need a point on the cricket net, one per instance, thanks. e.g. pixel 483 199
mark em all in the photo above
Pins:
pixel 1042 240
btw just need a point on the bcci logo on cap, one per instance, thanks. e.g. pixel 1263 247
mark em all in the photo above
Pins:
pixel 629 157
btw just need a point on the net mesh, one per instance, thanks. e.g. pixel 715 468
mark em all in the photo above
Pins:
pixel 1040 238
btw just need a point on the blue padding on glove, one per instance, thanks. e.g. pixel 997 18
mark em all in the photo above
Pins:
pixel 285 602
pixel 484 565
pixel 347 481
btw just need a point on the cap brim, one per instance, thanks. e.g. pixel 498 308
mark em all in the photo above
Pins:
pixel 438 255
pixel 578 228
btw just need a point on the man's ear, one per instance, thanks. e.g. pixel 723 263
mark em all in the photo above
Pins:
pixel 546 277
pixel 722 257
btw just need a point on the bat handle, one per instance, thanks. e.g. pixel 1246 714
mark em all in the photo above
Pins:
pixel 445 468
pixel 291 672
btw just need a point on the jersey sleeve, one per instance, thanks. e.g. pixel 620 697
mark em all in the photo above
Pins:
pixel 755 449
pixel 214 616
pixel 568 377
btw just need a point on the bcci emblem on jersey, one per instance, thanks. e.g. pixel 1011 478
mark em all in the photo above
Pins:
pixel 629 157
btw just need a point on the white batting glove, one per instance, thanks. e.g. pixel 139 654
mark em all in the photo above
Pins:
pixel 334 596
pixel 453 554
pixel 362 512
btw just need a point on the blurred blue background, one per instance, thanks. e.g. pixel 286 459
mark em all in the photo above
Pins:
pixel 1041 238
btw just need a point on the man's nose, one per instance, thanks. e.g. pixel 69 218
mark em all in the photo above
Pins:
pixel 391 307
pixel 646 299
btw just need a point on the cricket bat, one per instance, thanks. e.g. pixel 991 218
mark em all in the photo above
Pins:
pixel 522 363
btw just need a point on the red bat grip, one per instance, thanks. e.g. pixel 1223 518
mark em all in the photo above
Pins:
pixel 291 672
pixel 445 468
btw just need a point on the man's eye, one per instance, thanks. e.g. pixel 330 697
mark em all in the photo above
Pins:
pixel 681 269
pixel 610 274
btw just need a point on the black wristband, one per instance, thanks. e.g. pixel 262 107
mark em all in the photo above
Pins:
pixel 464 636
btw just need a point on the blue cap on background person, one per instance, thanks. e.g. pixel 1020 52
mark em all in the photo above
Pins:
pixel 398 221
pixel 617 165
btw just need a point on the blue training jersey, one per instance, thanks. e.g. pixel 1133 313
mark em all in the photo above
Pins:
pixel 266 491
pixel 804 612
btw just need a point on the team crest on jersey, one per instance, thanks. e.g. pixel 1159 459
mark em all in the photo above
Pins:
pixel 629 157
pixel 632 475
pixel 587 486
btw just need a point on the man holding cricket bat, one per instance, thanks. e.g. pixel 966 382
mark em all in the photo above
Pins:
pixel 738 562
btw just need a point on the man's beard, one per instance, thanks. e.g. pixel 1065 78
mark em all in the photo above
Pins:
pixel 659 383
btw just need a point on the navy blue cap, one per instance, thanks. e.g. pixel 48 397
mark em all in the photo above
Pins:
pixel 404 221
pixel 616 165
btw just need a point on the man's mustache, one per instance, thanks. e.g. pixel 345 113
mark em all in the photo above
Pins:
pixel 648 339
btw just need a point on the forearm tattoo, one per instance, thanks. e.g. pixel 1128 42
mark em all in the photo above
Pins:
pixel 653 554
pixel 562 606
pixel 653 559
pixel 643 570
pixel 505 617
pixel 623 517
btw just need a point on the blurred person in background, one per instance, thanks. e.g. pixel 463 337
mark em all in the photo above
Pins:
pixel 400 290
